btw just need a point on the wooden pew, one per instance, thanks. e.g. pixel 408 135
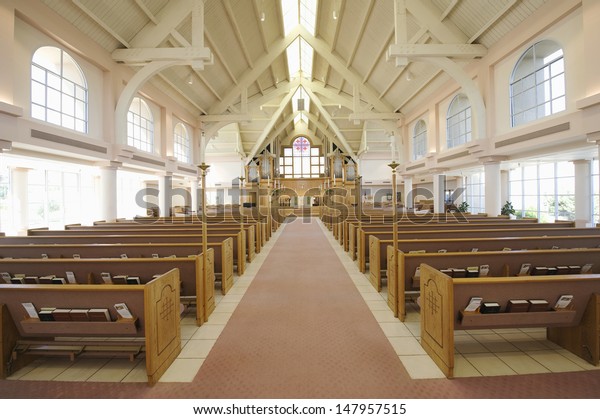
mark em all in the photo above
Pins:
pixel 379 253
pixel 193 286
pixel 500 264
pixel 224 258
pixel 443 299
pixel 471 230
pixel 195 236
pixel 156 331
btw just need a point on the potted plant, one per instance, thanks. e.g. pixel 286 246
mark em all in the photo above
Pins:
pixel 507 209
pixel 463 207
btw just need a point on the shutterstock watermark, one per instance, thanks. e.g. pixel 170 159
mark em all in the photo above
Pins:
pixel 258 202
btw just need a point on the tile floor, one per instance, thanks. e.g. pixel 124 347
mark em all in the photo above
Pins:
pixel 478 352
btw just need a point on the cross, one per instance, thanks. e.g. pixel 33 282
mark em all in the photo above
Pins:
pixel 166 309
pixel 432 302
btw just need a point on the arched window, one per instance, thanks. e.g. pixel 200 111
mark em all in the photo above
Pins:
pixel 419 139
pixel 140 126
pixel 301 160
pixel 458 121
pixel 59 93
pixel 537 84
pixel 181 140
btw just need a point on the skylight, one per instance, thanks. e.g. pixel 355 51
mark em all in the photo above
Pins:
pixel 299 53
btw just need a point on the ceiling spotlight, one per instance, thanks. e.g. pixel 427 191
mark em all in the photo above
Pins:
pixel 335 15
pixel 409 76
pixel 190 79
pixel 262 16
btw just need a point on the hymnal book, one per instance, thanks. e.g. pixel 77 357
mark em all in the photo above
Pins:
pixel 447 272
pixel 61 314
pixel 574 269
pixel 6 277
pixel 484 270
pixel 133 280
pixel 538 305
pixel 416 251
pixel 459 273
pixel 540 270
pixel 442 251
pixel 123 311
pixel 30 280
pixel 562 270
pixel 17 280
pixel 506 249
pixel 155 255
pixel 71 277
pixel 119 279
pixel 552 270
pixel 555 247
pixel 417 274
pixel 474 304
pixel 46 279
pixel 475 249
pixel 472 271
pixel 45 314
pixel 563 302
pixel 99 315
pixel 525 267
pixel 517 306
pixel 587 268
pixel 44 256
pixel 58 281
pixel 79 315
pixel 31 311
pixel 123 256
pixel 76 256
pixel 106 277
pixel 489 307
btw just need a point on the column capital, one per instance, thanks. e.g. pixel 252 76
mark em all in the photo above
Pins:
pixel 5 145
pixel 593 137
pixel 581 161
pixel 492 159
pixel 111 164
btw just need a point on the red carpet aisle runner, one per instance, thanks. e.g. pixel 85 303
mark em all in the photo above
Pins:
pixel 302 330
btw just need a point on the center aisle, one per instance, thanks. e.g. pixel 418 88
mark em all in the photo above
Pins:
pixel 302 330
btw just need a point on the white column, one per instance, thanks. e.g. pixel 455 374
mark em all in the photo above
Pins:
pixel 439 184
pixel 409 199
pixel 20 200
pixel 165 187
pixel 108 191
pixel 493 203
pixel 583 193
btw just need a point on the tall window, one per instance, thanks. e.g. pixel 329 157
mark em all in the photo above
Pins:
pixel 475 192
pixel 537 85
pixel 140 126
pixel 545 191
pixel 458 121
pixel 419 139
pixel 59 93
pixel 6 224
pixel 301 160
pixel 182 148
pixel 595 192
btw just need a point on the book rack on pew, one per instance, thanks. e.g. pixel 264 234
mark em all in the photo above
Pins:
pixel 443 302
pixel 153 331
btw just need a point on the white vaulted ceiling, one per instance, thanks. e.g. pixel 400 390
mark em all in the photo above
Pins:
pixel 245 96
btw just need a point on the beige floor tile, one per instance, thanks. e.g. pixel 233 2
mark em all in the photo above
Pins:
pixel 189 319
pixel 226 307
pixel 219 318
pixel 197 348
pixel 378 305
pixel 366 288
pixel 137 375
pixel 406 346
pixel 495 343
pixel 577 360
pixel 182 371
pixel 187 331
pixel 467 344
pixel 384 316
pixel 237 291
pixel 413 317
pixel 371 296
pixel 81 370
pixel 395 329
pixel 554 361
pixel 536 334
pixel 209 331
pixel 489 364
pixel 414 327
pixel 463 368
pixel 421 367
pixel 48 370
pixel 116 370
pixel 522 363
pixel 479 332
pixel 231 298
pixel 523 341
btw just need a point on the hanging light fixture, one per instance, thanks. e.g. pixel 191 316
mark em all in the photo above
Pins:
pixel 190 79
